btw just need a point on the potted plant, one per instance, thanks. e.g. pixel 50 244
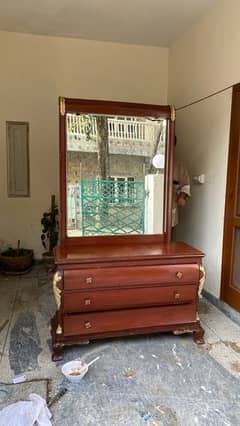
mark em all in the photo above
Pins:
pixel 50 227
pixel 16 260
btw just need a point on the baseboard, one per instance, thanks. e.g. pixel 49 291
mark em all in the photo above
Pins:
pixel 222 306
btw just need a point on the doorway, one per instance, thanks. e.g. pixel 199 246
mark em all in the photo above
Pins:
pixel 230 286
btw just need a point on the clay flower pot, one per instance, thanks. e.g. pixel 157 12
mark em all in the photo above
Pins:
pixel 16 260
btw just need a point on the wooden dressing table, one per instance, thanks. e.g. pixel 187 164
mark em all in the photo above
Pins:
pixel 117 285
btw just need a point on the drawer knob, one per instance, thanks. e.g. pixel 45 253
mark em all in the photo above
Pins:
pixel 88 280
pixel 177 295
pixel 179 275
pixel 87 302
pixel 87 324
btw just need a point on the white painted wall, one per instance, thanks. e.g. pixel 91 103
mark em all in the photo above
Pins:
pixel 34 71
pixel 205 60
pixel 203 133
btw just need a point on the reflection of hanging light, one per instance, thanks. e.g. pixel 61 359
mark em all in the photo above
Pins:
pixel 158 161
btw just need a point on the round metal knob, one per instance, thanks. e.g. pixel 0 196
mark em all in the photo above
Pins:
pixel 87 302
pixel 88 280
pixel 87 324
pixel 179 275
pixel 177 295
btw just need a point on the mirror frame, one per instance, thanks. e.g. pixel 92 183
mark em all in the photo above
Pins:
pixel 70 105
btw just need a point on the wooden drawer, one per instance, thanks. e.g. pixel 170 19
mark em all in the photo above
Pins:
pixel 129 298
pixel 129 276
pixel 127 319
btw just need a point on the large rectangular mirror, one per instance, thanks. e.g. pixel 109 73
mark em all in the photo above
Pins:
pixel 115 168
pixel 111 178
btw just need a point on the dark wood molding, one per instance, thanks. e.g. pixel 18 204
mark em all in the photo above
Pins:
pixel 62 170
pixel 68 105
pixel 230 294
pixel 116 108
pixel 169 181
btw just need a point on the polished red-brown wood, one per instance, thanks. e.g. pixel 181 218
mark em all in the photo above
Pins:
pixel 129 297
pixel 58 343
pixel 229 293
pixel 73 105
pixel 132 319
pixel 129 276
pixel 144 251
pixel 127 282
pixel 110 286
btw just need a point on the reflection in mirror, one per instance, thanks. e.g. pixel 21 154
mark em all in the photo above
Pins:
pixel 113 187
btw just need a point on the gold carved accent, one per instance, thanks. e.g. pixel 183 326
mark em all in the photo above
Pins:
pixel 59 329
pixel 56 290
pixel 177 295
pixel 87 324
pixel 201 285
pixel 202 280
pixel 62 106
pixel 173 113
pixel 179 275
pixel 57 294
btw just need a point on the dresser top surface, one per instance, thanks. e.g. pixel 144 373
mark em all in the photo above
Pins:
pixel 125 252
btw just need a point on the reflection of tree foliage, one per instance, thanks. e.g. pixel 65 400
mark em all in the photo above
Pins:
pixel 86 121
pixel 102 146
pixel 95 126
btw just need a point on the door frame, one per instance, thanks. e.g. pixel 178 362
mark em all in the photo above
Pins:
pixel 229 293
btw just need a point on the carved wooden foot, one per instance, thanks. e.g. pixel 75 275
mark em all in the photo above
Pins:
pixel 198 335
pixel 57 352
pixel 196 330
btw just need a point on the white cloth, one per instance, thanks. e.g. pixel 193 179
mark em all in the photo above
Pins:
pixel 26 413
pixel 181 184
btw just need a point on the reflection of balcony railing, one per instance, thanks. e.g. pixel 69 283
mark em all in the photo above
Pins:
pixel 118 129
pixel 112 207
pixel 106 207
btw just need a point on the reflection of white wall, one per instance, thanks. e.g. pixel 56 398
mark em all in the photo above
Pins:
pixel 35 70
pixel 154 186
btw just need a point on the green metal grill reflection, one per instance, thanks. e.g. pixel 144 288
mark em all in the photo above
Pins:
pixel 112 207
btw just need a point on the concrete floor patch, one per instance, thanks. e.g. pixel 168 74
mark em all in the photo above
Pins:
pixel 24 344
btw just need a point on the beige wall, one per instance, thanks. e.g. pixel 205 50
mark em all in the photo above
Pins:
pixel 203 132
pixel 206 59
pixel 34 71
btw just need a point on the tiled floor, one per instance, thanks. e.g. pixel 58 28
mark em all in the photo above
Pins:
pixel 173 381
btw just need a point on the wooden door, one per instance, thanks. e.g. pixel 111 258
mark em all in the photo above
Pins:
pixel 230 290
